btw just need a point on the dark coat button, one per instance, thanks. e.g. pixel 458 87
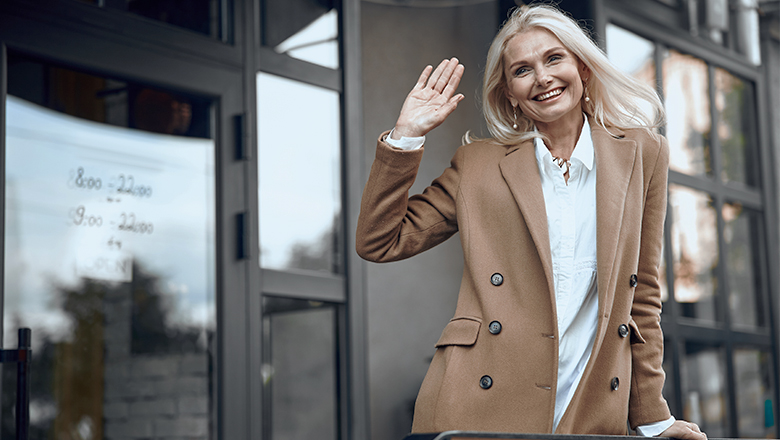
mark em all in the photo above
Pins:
pixel 495 327
pixel 615 383
pixel 623 330
pixel 633 281
pixel 496 279
pixel 486 382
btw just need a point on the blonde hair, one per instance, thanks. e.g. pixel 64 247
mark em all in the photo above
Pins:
pixel 615 97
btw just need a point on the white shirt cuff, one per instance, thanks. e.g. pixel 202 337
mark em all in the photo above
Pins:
pixel 405 143
pixel 654 429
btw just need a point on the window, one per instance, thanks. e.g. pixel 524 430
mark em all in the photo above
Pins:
pixel 720 370
pixel 110 253
pixel 302 240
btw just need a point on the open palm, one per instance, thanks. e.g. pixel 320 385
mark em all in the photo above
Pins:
pixel 431 100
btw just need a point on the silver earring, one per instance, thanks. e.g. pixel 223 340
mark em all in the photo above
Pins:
pixel 514 113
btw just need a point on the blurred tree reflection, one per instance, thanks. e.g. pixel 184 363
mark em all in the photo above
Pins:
pixel 67 385
pixel 321 254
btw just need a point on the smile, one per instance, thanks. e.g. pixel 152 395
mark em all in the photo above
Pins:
pixel 548 95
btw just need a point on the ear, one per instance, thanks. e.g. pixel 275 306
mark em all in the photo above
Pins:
pixel 511 98
pixel 584 72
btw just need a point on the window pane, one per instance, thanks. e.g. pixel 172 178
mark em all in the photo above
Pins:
pixel 299 369
pixel 704 388
pixel 300 205
pixel 304 29
pixel 687 105
pixel 755 394
pixel 734 107
pixel 109 258
pixel 201 16
pixel 740 235
pixel 632 54
pixel 695 251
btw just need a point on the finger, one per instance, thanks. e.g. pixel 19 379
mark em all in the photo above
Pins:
pixel 449 107
pixel 444 79
pixel 434 78
pixel 454 81
pixel 423 77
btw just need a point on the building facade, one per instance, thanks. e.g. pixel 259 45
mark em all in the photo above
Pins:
pixel 181 182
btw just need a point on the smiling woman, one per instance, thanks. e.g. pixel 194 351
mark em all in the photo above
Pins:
pixel 557 324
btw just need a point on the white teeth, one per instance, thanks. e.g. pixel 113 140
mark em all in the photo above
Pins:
pixel 549 94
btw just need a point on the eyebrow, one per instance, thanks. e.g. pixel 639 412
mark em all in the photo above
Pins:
pixel 545 55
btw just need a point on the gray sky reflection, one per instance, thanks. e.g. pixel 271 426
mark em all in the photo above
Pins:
pixel 85 200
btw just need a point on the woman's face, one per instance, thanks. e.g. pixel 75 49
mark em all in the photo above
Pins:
pixel 544 79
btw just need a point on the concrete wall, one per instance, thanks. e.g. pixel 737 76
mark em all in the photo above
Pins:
pixel 410 302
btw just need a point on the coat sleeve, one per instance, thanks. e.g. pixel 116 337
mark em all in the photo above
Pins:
pixel 646 404
pixel 392 226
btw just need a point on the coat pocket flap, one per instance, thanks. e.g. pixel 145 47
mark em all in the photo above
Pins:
pixel 460 331
pixel 636 336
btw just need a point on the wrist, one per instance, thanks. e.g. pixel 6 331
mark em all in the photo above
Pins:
pixel 401 131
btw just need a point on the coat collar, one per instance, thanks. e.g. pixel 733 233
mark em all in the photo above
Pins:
pixel 614 157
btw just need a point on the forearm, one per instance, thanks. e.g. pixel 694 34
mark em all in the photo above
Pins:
pixel 391 226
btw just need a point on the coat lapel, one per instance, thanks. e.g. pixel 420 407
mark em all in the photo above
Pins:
pixel 521 174
pixel 615 159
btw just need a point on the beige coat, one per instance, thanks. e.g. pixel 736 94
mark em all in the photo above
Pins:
pixel 492 194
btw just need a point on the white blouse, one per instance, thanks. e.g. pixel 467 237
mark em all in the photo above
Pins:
pixel 571 224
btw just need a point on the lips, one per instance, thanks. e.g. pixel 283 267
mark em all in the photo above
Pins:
pixel 547 95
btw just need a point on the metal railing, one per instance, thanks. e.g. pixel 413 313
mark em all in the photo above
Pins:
pixel 22 357
pixel 448 435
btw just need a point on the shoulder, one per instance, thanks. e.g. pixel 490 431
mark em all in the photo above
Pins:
pixel 646 139
pixel 651 146
pixel 483 151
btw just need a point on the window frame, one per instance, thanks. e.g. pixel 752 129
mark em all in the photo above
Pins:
pixel 345 289
pixel 761 198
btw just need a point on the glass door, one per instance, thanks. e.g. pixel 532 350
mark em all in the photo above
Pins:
pixel 109 254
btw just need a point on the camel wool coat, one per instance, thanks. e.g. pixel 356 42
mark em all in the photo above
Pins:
pixel 481 379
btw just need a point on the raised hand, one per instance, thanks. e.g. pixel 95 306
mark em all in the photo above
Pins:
pixel 431 100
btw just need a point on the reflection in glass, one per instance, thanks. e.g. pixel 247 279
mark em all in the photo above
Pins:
pixel 704 388
pixel 303 29
pixel 300 189
pixel 109 258
pixel 755 400
pixel 299 369
pixel 631 54
pixel 694 251
pixel 739 233
pixel 688 119
pixel 732 104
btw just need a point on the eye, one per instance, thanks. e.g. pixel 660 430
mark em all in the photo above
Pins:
pixel 520 71
pixel 554 58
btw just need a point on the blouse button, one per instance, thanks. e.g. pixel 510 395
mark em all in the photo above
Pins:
pixel 497 279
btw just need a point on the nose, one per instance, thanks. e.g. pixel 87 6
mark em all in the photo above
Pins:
pixel 543 77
